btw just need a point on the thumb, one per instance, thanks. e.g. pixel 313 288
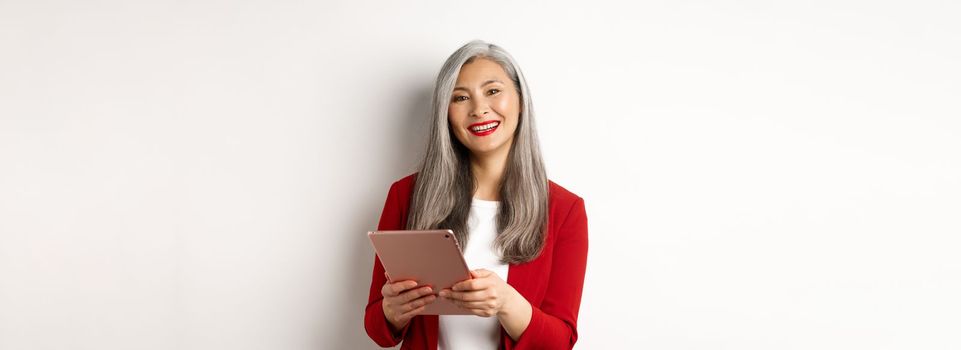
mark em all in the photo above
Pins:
pixel 480 273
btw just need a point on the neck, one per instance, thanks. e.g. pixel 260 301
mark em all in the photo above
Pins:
pixel 488 173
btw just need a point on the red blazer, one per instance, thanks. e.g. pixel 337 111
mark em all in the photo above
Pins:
pixel 552 282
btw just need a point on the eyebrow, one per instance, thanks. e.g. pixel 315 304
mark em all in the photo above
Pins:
pixel 484 84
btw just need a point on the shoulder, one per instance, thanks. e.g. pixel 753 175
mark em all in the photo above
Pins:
pixel 394 216
pixel 567 216
pixel 561 196
pixel 406 181
pixel 404 186
pixel 564 205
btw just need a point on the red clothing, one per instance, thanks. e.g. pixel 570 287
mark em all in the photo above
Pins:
pixel 552 282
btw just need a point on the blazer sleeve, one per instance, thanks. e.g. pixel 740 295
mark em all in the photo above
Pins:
pixel 378 329
pixel 554 324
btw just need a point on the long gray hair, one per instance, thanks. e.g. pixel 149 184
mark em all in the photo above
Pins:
pixel 445 185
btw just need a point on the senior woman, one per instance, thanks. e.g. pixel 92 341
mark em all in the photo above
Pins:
pixel 483 177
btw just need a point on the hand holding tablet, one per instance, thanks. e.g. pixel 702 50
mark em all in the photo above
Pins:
pixel 427 261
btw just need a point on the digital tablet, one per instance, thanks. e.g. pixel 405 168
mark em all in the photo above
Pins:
pixel 430 257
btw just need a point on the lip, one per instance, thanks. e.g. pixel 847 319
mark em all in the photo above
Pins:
pixel 485 132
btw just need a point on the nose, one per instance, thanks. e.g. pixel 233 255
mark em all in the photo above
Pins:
pixel 479 111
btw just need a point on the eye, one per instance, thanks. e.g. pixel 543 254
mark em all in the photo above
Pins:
pixel 458 98
pixel 493 91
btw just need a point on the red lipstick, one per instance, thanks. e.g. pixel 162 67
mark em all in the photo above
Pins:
pixel 486 128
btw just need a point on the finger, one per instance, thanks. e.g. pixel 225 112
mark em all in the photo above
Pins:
pixel 387 291
pixel 410 314
pixel 398 308
pixel 393 289
pixel 401 286
pixel 478 305
pixel 416 303
pixel 474 284
pixel 413 306
pixel 477 295
pixel 415 293
pixel 482 309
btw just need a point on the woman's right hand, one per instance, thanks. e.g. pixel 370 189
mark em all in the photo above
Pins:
pixel 402 301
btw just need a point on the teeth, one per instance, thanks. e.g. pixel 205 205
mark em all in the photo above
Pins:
pixel 485 127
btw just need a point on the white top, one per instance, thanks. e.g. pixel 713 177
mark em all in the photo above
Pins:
pixel 469 332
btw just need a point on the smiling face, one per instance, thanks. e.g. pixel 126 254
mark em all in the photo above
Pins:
pixel 484 108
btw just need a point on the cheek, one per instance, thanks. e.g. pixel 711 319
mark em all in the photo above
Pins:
pixel 502 104
pixel 456 123
pixel 453 116
pixel 458 111
pixel 508 107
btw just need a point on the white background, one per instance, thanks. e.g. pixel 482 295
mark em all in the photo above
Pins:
pixel 201 174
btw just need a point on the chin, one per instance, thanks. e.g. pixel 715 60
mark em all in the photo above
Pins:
pixel 484 149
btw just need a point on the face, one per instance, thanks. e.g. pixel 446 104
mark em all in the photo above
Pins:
pixel 484 108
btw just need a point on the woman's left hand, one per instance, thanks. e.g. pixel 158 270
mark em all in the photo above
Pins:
pixel 486 294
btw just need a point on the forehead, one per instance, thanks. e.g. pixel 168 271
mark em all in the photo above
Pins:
pixel 481 70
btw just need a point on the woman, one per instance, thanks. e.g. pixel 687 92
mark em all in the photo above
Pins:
pixel 483 177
